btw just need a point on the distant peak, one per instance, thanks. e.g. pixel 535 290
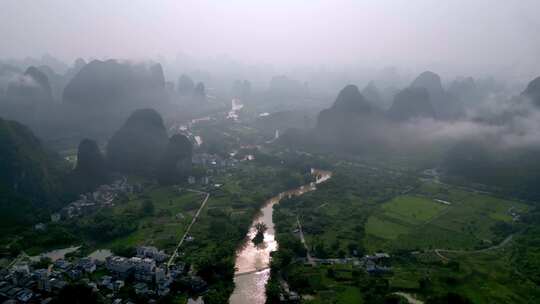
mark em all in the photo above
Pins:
pixel 349 99
pixel 428 80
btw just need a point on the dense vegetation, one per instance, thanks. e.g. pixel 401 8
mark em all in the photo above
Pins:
pixel 31 178
pixel 363 210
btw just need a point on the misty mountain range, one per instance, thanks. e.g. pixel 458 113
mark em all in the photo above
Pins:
pixel 499 148
pixel 99 95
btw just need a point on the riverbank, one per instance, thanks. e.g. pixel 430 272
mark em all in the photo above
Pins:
pixel 252 261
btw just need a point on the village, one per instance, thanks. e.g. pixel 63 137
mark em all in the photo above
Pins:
pixel 145 275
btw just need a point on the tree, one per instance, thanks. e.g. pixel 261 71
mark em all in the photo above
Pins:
pixel 76 294
pixel 147 207
pixel 331 273
pixel 44 262
pixel 450 297
pixel 395 299
pixel 259 237
pixel 175 164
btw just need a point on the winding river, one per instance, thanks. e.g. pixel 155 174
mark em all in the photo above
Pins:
pixel 252 262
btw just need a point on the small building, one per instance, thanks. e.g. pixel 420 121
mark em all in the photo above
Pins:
pixel 57 284
pixel 106 281
pixel 93 286
pixel 119 265
pixel 140 288
pixel 62 264
pixel 42 277
pixel 163 291
pixel 143 268
pixel 151 252
pixel 25 295
pixel 87 265
pixel 118 284
pixel 161 275
pixel 74 274
pixel 40 227
pixel 46 301
pixel 55 217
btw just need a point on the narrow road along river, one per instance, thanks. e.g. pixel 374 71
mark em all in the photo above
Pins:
pixel 252 262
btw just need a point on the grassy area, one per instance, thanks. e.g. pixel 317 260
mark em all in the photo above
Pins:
pixel 173 211
pixel 326 284
pixel 334 217
pixel 419 222
pixel 385 229
pixel 400 215
pixel 485 277
pixel 222 225
pixel 413 209
pixel 351 209
pixel 70 155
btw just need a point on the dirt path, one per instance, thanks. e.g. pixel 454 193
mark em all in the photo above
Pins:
pixel 410 298
pixel 505 242
pixel 203 203
pixel 440 255
pixel 303 240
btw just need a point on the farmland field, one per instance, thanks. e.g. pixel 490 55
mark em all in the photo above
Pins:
pixel 413 209
pixel 402 214
pixel 419 222
pixel 173 211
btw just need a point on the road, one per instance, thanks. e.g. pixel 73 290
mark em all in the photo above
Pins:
pixel 303 240
pixel 501 244
pixel 186 233
pixel 410 298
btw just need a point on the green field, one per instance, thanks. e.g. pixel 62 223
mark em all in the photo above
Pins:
pixel 361 211
pixel 484 277
pixel 385 229
pixel 401 215
pixel 173 211
pixel 413 209
pixel 419 222
pixel 326 284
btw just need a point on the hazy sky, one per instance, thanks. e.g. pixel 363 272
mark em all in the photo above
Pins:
pixel 280 32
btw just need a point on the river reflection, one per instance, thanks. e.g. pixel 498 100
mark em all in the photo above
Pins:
pixel 252 261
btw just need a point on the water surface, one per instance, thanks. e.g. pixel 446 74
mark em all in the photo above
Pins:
pixel 252 262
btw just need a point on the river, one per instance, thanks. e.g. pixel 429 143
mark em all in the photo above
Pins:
pixel 252 262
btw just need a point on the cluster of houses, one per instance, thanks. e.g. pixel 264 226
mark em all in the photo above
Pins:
pixel 146 273
pixel 213 161
pixel 376 264
pixel 373 264
pixel 144 269
pixel 104 195
pixel 22 283
pixel 514 214
pixel 205 180
pixel 213 164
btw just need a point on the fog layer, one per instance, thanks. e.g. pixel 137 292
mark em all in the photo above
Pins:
pixel 466 36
